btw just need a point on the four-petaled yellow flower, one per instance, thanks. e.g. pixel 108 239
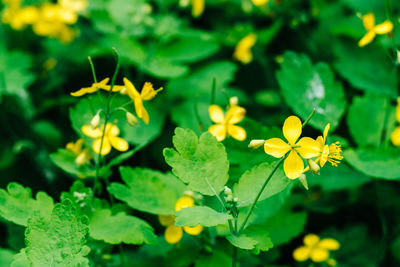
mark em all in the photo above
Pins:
pixel 372 29
pixel 173 234
pixel 315 249
pixel 147 93
pixel 97 86
pixel 395 137
pixel 243 48
pixel 82 154
pixel 331 153
pixel 225 123
pixel 306 147
pixel 110 138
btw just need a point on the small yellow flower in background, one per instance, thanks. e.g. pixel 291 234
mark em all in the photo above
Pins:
pixel 197 7
pixel 315 249
pixel 372 29
pixel 110 138
pixel 306 147
pixel 147 93
pixel 242 51
pixel 260 2
pixel 173 234
pixel 97 86
pixel 395 136
pixel 225 123
pixel 82 154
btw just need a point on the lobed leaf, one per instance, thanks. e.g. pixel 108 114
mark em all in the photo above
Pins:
pixel 203 215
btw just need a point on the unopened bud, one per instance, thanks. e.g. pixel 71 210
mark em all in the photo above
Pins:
pixel 314 167
pixel 132 120
pixel 184 3
pixel 189 193
pixel 303 181
pixel 95 120
pixel 229 198
pixel 256 143
pixel 236 199
pixel 233 101
pixel 80 159
pixel 227 191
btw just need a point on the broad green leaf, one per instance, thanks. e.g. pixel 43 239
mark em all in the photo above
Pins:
pixel 217 259
pixel 148 190
pixel 6 257
pixel 305 86
pixel 242 241
pixel 251 182
pixel 120 228
pixel 260 235
pixel 200 162
pixel 284 226
pixel 203 215
pixel 337 178
pixel 366 119
pixel 17 204
pixel 65 160
pixel 367 69
pixel 58 240
pixel 20 260
pixel 379 163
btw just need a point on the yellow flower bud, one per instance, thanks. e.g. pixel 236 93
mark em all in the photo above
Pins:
pixel 303 181
pixel 314 167
pixel 95 121
pixel 234 100
pixel 132 120
pixel 256 143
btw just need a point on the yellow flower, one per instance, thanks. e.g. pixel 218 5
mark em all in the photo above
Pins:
pixel 395 136
pixel 260 2
pixel 315 249
pixel 82 154
pixel 173 234
pixel 243 48
pixel 197 7
pixel 110 138
pixel 74 5
pixel 225 124
pixel 372 29
pixel 331 153
pixel 147 93
pixel 96 86
pixel 306 147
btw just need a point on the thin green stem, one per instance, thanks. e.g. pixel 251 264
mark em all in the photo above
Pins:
pixel 93 70
pixel 234 256
pixel 259 193
pixel 309 118
pixel 196 112
pixel 213 90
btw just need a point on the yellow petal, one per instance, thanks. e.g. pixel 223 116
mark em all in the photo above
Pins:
pixel 102 84
pixel 216 114
pixel 301 253
pixel 395 137
pixel 309 148
pixel 235 114
pixel 184 202
pixel 243 51
pixel 112 130
pixel 319 255
pixel 324 155
pixel 367 38
pixel 173 234
pixel 83 91
pixel 321 142
pixel 398 110
pixel 131 90
pixel 105 148
pixel 369 21
pixel 259 2
pixel 88 130
pixel 237 132
pixel 311 240
pixel 193 230
pixel 145 115
pixel 292 129
pixel 326 130
pixel 139 107
pixel 119 144
pixel 384 27
pixel 293 165
pixel 218 130
pixel 148 91
pixel 329 244
pixel 276 147
pixel 166 220
pixel 197 7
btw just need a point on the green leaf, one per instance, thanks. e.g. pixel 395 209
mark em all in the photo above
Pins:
pixel 242 241
pixel 203 215
pixel 148 190
pixel 366 119
pixel 6 257
pixel 58 240
pixel 261 236
pixel 17 204
pixel 65 160
pixel 201 163
pixel 379 163
pixel 305 86
pixel 251 182
pixel 337 178
pixel 217 259
pixel 20 260
pixel 285 225
pixel 120 228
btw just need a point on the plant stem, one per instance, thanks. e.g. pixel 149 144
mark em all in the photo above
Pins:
pixel 259 194
pixel 234 256
pixel 309 118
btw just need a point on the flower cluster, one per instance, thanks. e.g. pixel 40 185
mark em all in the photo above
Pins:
pixel 48 19
pixel 372 29
pixel 306 148
pixel 225 123
pixel 173 234
pixel 316 249
pixel 395 137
